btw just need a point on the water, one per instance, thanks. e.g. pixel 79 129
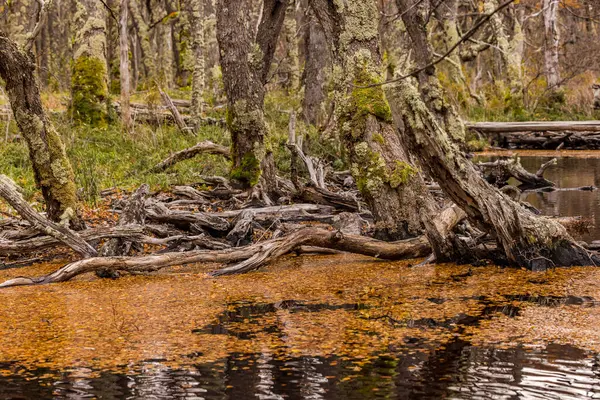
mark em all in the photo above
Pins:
pixel 571 172
pixel 460 371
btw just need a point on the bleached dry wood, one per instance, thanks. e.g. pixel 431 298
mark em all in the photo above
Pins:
pixel 185 154
pixel 10 193
pixel 536 126
pixel 21 247
pixel 248 258
pixel 501 170
pixel 175 112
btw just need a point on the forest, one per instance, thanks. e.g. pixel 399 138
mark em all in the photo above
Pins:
pixel 321 199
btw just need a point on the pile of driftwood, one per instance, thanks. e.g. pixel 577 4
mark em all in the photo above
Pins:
pixel 240 229
pixel 576 135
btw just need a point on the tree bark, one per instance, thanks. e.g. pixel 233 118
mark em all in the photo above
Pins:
pixel 124 67
pixel 392 187
pixel 317 64
pixel 526 239
pixel 52 169
pixel 552 42
pixel 198 45
pixel 429 85
pixel 246 56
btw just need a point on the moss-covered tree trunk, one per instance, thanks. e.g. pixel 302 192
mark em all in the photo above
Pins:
pixel 246 55
pixel 527 240
pixel 124 67
pixel 53 172
pixel 89 78
pixel 391 185
pixel 413 16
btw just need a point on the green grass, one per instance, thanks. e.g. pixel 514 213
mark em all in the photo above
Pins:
pixel 105 157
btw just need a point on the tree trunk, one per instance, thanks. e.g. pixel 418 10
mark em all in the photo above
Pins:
pixel 511 53
pixel 392 187
pixel 124 67
pixel 551 47
pixel 89 79
pixel 318 63
pixel 290 28
pixel 246 56
pixel 429 85
pixel 53 172
pixel 148 56
pixel 198 44
pixel 527 240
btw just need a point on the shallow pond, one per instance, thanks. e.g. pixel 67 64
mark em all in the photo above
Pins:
pixel 574 169
pixel 315 327
pixel 335 327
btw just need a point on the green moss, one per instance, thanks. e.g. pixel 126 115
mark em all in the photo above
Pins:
pixel 89 91
pixel 370 170
pixel 369 100
pixel 402 173
pixel 249 171
pixel 378 137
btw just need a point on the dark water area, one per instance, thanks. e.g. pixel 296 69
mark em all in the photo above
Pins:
pixel 456 370
pixel 459 371
pixel 570 172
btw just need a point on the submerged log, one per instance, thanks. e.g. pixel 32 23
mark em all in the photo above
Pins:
pixel 248 258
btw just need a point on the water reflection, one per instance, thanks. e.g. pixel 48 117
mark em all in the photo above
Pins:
pixel 458 371
pixel 570 172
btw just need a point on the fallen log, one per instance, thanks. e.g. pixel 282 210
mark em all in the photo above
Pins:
pixel 10 192
pixel 248 258
pixel 535 126
pixel 545 140
pixel 20 247
pixel 185 154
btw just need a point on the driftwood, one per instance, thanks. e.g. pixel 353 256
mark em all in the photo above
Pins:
pixel 133 213
pixel 175 112
pixel 10 193
pixel 498 172
pixel 31 245
pixel 248 258
pixel 160 213
pixel 241 234
pixel 202 147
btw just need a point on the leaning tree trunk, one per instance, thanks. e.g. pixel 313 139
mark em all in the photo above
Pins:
pixel 390 184
pixel 527 240
pixel 89 78
pixel 246 56
pixel 53 172
pixel 433 93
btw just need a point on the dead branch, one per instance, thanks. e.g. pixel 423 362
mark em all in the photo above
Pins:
pixel 202 147
pixel 9 192
pixel 176 115
pixel 248 258
pixel 499 171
